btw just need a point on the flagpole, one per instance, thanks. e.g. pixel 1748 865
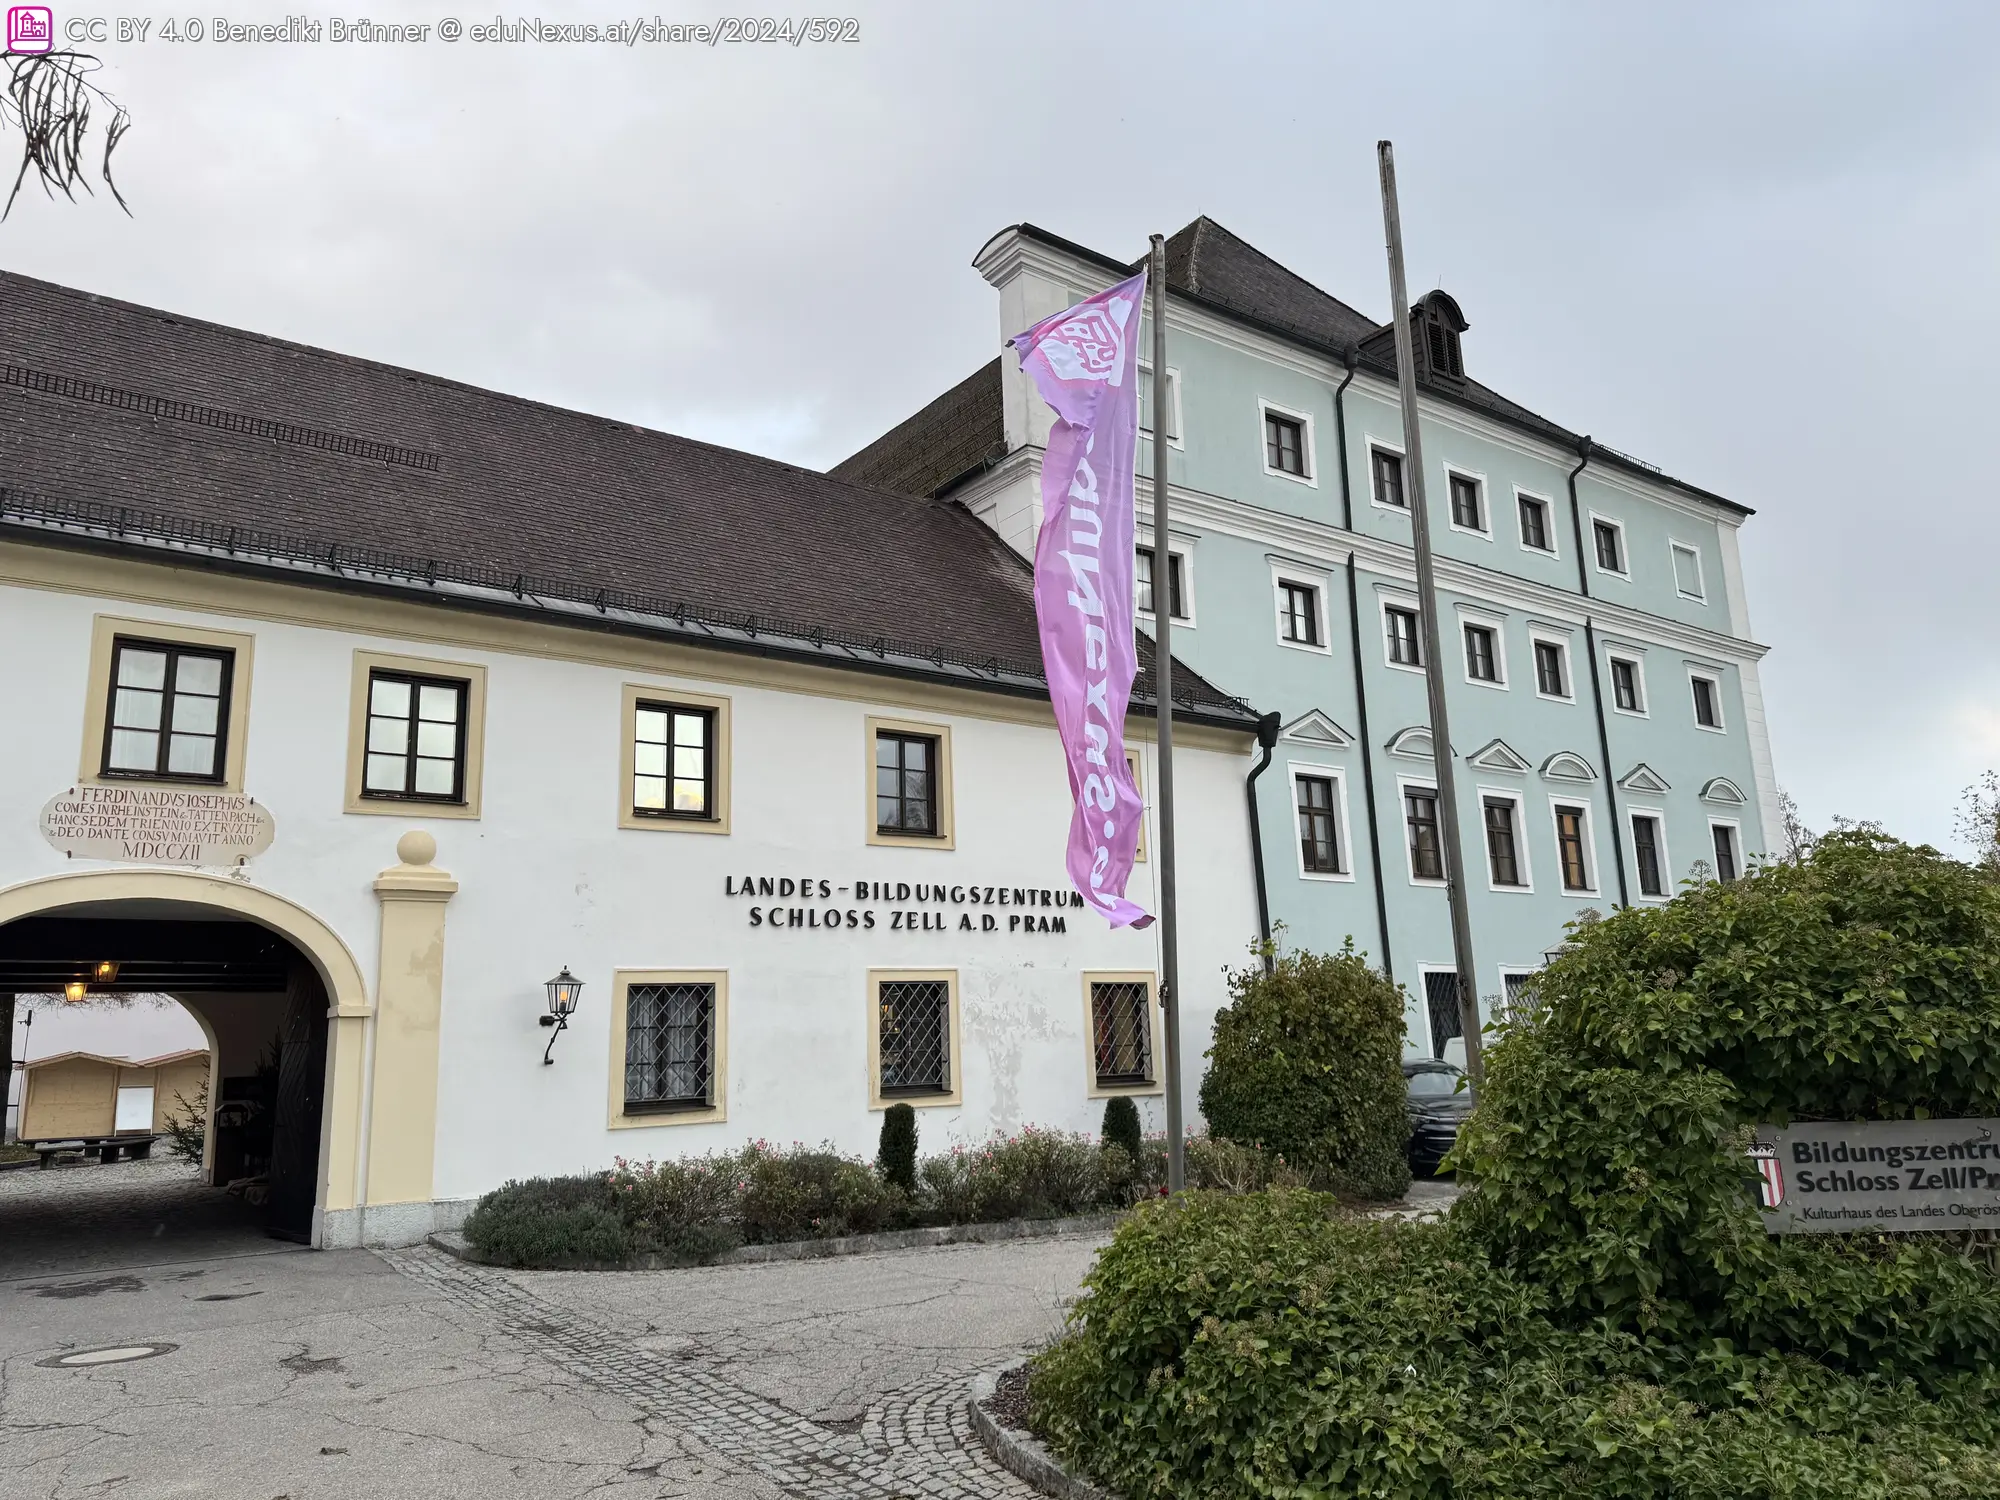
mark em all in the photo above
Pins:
pixel 1433 638
pixel 1163 692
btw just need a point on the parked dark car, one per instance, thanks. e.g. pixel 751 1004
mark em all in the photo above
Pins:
pixel 1437 1107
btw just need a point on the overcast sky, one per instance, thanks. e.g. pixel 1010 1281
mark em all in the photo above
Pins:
pixel 1753 244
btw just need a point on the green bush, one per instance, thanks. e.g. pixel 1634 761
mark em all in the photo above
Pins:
pixel 1273 1345
pixel 896 1155
pixel 686 1207
pixel 1121 1126
pixel 807 1194
pixel 1034 1174
pixel 1307 1063
pixel 1605 1158
pixel 549 1221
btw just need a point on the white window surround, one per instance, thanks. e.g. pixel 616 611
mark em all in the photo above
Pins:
pixel 1175 548
pixel 1467 620
pixel 1624 547
pixel 1721 724
pixel 1659 817
pixel 1310 479
pixel 1543 638
pixel 1177 428
pixel 1404 786
pixel 1554 548
pixel 1485 533
pixel 1638 665
pixel 1387 602
pixel 1524 864
pixel 1675 552
pixel 1590 869
pixel 1513 971
pixel 1735 827
pixel 1294 770
pixel 1282 574
pixel 1368 447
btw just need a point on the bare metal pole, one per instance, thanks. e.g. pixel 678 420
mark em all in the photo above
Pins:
pixel 1433 637
pixel 1163 688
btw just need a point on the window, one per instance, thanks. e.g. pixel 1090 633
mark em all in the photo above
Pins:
pixel 1481 658
pixel 1284 444
pixel 416 737
pixel 167 716
pixel 1405 645
pixel 1298 613
pixel 1121 1032
pixel 1519 987
pixel 1139 786
pixel 913 1037
pixel 1707 702
pixel 1627 690
pixel 1646 853
pixel 1551 669
pixel 1386 476
pixel 1420 813
pixel 1572 848
pixel 1534 515
pixel 1176 583
pixel 1442 1008
pixel 673 761
pixel 1468 510
pixel 1173 401
pixel 1687 572
pixel 1610 541
pixel 1319 828
pixel 1503 846
pixel 905 784
pixel 669 1046
pixel 1727 865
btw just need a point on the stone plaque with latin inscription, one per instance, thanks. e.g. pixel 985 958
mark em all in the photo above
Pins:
pixel 147 824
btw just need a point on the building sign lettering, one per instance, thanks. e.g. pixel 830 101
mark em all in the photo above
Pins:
pixel 157 825
pixel 901 906
pixel 1900 1175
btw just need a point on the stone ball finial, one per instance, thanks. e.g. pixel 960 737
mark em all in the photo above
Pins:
pixel 416 847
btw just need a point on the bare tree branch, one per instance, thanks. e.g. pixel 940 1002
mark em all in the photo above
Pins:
pixel 49 98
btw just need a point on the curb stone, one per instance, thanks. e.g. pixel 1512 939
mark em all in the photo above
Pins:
pixel 453 1243
pixel 1022 1454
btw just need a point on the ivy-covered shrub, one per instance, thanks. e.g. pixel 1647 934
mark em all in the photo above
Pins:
pixel 1306 1063
pixel 1606 1155
pixel 1274 1345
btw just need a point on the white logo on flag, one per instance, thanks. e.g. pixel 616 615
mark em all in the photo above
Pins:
pixel 1091 345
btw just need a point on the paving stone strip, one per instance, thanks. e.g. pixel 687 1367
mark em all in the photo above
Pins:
pixel 914 1442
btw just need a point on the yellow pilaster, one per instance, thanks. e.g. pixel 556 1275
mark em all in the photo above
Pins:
pixel 409 995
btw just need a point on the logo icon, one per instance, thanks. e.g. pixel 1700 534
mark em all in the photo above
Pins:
pixel 1091 345
pixel 1770 1175
pixel 30 28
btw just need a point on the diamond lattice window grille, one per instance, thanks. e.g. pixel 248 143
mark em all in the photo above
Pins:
pixel 669 1046
pixel 1121 1016
pixel 915 1020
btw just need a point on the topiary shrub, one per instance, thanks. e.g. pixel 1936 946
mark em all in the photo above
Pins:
pixel 1121 1126
pixel 1605 1157
pixel 896 1153
pixel 549 1221
pixel 1307 1063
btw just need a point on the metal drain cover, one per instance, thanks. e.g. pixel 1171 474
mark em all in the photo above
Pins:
pixel 116 1354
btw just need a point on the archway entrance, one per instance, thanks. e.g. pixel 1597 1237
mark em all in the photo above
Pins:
pixel 271 987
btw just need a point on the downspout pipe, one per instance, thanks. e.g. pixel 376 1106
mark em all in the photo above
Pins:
pixel 1596 684
pixel 1267 741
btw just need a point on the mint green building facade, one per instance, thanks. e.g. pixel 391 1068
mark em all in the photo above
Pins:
pixel 1602 675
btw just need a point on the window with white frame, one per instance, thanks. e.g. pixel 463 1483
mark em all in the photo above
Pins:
pixel 1404 636
pixel 1551 668
pixel 1628 685
pixel 1385 477
pixel 1573 852
pixel 1299 622
pixel 1707 700
pixel 1687 572
pixel 1537 535
pixel 1420 824
pixel 1728 855
pixel 1143 572
pixel 1482 653
pixel 1287 444
pixel 1468 502
pixel 1608 539
pixel 1146 401
pixel 1518 988
pixel 1319 801
pixel 1506 860
pixel 1649 853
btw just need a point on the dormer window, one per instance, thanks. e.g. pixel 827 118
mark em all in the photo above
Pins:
pixel 1438 323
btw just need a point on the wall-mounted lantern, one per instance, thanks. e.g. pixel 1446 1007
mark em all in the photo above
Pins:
pixel 564 991
pixel 75 991
pixel 106 971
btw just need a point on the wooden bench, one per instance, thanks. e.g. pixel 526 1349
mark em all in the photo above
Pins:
pixel 107 1147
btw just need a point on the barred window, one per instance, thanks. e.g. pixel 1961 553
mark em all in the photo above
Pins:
pixel 914 1020
pixel 1121 1014
pixel 168 711
pixel 905 783
pixel 673 761
pixel 416 738
pixel 669 1047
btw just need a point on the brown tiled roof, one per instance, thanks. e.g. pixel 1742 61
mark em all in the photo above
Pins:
pixel 126 426
pixel 954 437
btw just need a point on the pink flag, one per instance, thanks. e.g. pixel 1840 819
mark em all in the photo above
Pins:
pixel 1085 364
